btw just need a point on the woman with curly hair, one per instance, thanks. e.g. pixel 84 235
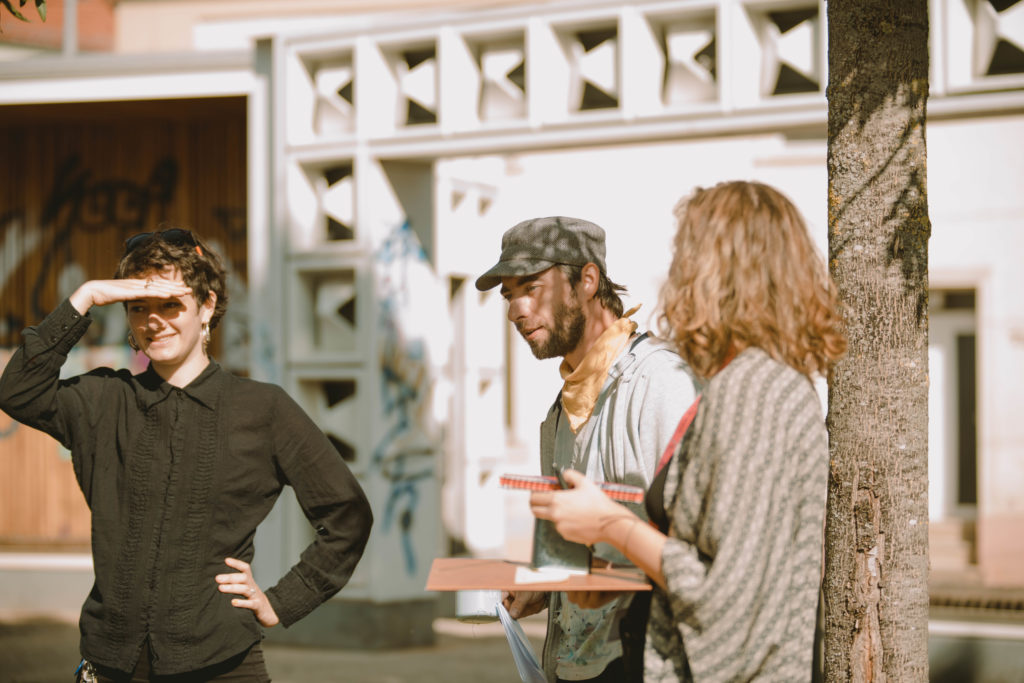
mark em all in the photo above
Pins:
pixel 737 508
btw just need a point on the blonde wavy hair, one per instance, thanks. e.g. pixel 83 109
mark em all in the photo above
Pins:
pixel 745 273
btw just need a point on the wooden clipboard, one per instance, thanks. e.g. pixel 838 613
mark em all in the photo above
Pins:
pixel 471 573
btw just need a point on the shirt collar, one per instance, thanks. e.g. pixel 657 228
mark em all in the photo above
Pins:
pixel 204 388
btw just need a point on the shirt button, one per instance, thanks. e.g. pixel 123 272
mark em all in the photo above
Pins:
pixel 64 327
pixel 320 529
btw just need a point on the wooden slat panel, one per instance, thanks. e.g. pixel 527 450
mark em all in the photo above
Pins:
pixel 40 502
pixel 77 180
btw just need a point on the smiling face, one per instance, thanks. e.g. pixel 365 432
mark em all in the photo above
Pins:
pixel 170 331
pixel 545 311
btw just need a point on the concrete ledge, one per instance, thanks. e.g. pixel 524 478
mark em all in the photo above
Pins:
pixel 363 625
pixel 44 584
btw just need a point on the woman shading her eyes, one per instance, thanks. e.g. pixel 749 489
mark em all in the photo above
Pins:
pixel 179 464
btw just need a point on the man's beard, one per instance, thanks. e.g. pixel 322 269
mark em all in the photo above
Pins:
pixel 566 334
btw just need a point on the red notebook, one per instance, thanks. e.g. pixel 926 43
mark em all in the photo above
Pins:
pixel 621 492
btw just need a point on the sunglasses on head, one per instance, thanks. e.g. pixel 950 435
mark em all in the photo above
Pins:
pixel 176 236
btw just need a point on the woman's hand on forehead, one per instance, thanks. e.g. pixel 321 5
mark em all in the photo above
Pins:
pixel 104 292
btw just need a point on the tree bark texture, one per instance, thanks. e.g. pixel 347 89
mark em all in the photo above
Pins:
pixel 876 566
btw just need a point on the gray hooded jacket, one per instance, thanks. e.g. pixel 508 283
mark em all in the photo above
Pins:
pixel 647 390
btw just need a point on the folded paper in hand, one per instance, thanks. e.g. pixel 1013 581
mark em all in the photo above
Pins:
pixel 530 670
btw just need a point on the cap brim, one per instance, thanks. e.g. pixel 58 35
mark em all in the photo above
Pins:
pixel 518 268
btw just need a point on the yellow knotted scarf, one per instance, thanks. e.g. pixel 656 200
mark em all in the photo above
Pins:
pixel 583 385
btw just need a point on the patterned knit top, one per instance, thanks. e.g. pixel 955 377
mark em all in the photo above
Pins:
pixel 746 498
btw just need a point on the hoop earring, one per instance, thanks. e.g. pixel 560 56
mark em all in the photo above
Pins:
pixel 132 343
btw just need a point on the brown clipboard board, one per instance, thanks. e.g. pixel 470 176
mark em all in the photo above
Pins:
pixel 471 573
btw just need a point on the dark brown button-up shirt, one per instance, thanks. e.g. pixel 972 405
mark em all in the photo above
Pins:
pixel 177 480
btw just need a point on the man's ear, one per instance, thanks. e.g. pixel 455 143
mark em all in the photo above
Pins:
pixel 590 277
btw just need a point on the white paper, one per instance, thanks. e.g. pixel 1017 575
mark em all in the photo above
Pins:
pixel 530 670
pixel 546 575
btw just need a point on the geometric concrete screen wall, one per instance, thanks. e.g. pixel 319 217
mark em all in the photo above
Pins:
pixel 372 110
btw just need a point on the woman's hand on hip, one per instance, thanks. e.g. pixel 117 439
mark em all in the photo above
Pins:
pixel 242 583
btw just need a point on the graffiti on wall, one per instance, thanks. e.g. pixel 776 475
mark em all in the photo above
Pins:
pixel 78 207
pixel 413 344
pixel 76 187
pixel 82 219
pixel 81 202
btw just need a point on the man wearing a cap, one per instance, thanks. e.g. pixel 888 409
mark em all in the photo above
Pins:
pixel 622 397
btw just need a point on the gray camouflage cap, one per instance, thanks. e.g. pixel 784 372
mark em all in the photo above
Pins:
pixel 537 244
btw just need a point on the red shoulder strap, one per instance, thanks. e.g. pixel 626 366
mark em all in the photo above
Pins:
pixel 684 424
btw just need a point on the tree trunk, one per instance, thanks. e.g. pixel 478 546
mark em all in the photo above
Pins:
pixel 876 548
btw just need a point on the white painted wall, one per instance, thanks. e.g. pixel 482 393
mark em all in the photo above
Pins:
pixel 976 202
pixel 181 25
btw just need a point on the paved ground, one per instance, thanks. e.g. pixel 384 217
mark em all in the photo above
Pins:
pixel 46 651
pixel 963 648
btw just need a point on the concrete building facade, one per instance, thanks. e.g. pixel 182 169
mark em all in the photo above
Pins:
pixel 389 145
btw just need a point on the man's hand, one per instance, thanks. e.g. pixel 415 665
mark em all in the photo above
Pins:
pixel 523 603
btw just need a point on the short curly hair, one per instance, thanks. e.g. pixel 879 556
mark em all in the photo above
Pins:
pixel 183 250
